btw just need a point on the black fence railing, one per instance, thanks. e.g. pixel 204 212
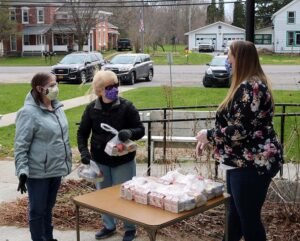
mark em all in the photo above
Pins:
pixel 283 114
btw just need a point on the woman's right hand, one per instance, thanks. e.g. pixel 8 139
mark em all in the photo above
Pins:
pixel 200 147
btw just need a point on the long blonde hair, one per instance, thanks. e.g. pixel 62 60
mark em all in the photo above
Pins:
pixel 247 67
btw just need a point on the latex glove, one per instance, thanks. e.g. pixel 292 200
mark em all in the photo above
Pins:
pixel 202 136
pixel 22 180
pixel 124 135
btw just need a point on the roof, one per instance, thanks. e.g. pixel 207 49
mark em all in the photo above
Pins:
pixel 110 25
pixel 35 30
pixel 284 8
pixel 113 32
pixel 63 28
pixel 34 2
pixel 216 23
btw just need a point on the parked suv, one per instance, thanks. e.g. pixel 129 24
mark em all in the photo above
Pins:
pixel 78 67
pixel 131 67
pixel 124 43
pixel 216 73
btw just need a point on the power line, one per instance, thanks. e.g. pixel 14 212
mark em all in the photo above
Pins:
pixel 130 4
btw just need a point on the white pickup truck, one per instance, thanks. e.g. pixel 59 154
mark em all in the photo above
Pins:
pixel 206 47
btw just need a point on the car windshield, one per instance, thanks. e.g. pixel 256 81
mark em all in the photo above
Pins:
pixel 73 59
pixel 218 62
pixel 123 60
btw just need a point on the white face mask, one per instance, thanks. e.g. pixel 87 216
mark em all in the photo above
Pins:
pixel 52 92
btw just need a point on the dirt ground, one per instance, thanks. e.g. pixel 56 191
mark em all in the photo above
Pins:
pixel 282 222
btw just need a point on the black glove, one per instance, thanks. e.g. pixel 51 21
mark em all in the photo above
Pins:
pixel 85 160
pixel 22 180
pixel 124 135
pixel 85 157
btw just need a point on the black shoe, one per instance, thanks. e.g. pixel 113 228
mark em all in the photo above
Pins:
pixel 129 235
pixel 104 233
pixel 52 240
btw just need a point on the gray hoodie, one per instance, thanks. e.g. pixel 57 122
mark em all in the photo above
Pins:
pixel 42 147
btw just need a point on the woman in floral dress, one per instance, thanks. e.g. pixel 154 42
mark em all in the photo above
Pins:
pixel 245 143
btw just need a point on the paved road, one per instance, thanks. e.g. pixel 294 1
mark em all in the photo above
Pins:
pixel 285 77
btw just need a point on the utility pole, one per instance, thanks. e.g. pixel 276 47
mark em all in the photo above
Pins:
pixel 142 27
pixel 250 13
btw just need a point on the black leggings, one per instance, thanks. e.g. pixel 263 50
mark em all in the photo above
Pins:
pixel 248 192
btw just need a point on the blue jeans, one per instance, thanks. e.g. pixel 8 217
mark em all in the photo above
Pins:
pixel 113 176
pixel 42 196
pixel 248 192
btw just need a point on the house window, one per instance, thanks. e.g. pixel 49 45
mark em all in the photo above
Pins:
pixel 25 15
pixel 13 42
pixel 60 39
pixel 291 16
pixel 263 39
pixel 12 14
pixel 40 39
pixel 26 40
pixel 293 38
pixel 40 15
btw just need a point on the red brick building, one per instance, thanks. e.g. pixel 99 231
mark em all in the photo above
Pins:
pixel 45 27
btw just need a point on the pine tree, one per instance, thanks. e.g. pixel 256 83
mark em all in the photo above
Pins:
pixel 239 16
pixel 265 9
pixel 221 11
pixel 211 12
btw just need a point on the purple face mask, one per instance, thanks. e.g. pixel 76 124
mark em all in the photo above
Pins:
pixel 112 94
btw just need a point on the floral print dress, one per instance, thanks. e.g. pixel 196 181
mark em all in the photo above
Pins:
pixel 244 135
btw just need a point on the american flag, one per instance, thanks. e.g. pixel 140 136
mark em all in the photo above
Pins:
pixel 141 28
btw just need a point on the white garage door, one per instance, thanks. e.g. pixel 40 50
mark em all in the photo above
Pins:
pixel 227 37
pixel 205 38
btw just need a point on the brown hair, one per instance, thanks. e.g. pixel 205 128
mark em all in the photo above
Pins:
pixel 39 79
pixel 247 67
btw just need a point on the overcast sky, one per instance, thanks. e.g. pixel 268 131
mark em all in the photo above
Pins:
pixel 228 10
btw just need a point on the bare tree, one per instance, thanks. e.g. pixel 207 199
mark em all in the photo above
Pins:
pixel 82 17
pixel 7 26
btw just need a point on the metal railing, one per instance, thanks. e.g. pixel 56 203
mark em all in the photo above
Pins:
pixel 283 114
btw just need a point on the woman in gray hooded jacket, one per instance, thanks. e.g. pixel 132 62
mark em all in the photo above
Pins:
pixel 42 152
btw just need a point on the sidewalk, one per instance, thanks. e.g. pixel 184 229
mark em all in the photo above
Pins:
pixel 9 119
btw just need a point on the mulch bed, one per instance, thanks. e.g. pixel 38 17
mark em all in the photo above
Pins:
pixel 282 221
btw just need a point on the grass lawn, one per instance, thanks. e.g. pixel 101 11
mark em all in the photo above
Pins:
pixel 12 95
pixel 159 56
pixel 150 97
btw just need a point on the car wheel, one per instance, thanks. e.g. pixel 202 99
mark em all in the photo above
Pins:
pixel 150 75
pixel 205 84
pixel 132 78
pixel 229 82
pixel 83 77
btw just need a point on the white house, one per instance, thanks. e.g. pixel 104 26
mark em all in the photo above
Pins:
pixel 263 38
pixel 286 22
pixel 218 33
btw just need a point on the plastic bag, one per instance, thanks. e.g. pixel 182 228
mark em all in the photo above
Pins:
pixel 91 172
pixel 115 147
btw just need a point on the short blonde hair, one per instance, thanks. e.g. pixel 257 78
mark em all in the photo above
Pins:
pixel 104 78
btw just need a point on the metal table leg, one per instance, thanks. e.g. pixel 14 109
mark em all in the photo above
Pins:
pixel 77 223
pixel 227 203
pixel 152 234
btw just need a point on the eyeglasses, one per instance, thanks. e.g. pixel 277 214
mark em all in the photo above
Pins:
pixel 109 87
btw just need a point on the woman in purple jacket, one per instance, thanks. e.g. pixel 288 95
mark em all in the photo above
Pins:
pixel 245 142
